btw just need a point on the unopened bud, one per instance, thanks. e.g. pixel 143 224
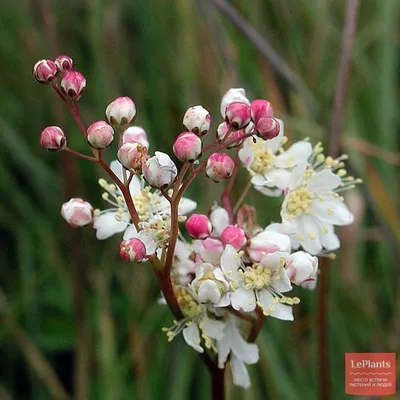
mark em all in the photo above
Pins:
pixel 234 236
pixel 159 170
pixel 219 167
pixel 234 138
pixel 187 146
pixel 197 120
pixel 231 96
pixel 73 84
pixel 131 155
pixel 100 134
pixel 132 250
pixel 45 71
pixel 237 115
pixel 77 212
pixel 64 64
pixel 136 134
pixel 122 111
pixel 52 138
pixel 261 109
pixel 198 226
pixel 267 128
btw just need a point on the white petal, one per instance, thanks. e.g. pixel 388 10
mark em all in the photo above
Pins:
pixel 219 275
pixel 136 186
pixel 332 210
pixel 246 156
pixel 192 337
pixel 186 206
pixel 310 232
pixel 117 168
pixel 297 175
pixel 148 241
pixel 328 238
pixel 269 192
pixel 283 312
pixel 209 292
pixel 323 181
pixel 275 143
pixel 106 225
pixel 272 261
pixel 219 218
pixel 240 374
pixel 298 153
pixel 244 351
pixel 212 328
pixel 230 261
pixel 224 302
pixel 278 177
pixel 130 232
pixel 223 351
pixel 281 282
pixel 243 299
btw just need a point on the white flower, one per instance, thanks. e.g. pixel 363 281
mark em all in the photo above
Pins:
pixel 261 284
pixel 301 268
pixel 210 285
pixel 151 206
pixel 312 207
pixel 271 171
pixel 241 352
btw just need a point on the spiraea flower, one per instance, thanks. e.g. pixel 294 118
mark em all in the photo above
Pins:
pixel 187 146
pixel 52 138
pixel 122 111
pixel 64 64
pixel 159 171
pixel 73 84
pixel 269 165
pixel 45 71
pixel 100 135
pixel 77 212
pixel 313 205
pixel 136 134
pixel 197 120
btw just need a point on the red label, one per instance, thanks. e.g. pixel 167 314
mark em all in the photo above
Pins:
pixel 371 374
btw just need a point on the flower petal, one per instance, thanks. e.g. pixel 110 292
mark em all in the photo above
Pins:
pixel 230 262
pixel 298 153
pixel 106 225
pixel 209 292
pixel 240 375
pixel 332 210
pixel 323 181
pixel 213 328
pixel 191 335
pixel 186 206
pixel 246 352
pixel 309 234
pixel 283 312
pixel 328 238
pixel 130 232
pixel 243 299
pixel 281 282
pixel 219 218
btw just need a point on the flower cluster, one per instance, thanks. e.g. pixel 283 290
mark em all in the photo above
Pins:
pixel 220 273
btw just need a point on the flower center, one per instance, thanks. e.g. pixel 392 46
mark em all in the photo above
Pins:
pixel 209 275
pixel 299 202
pixel 263 159
pixel 257 277
pixel 144 202
pixel 187 303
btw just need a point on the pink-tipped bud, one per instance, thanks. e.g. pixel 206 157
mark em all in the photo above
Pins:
pixel 45 71
pixel 159 171
pixel 219 167
pixel 267 128
pixel 122 111
pixel 237 115
pixel 52 138
pixel 100 135
pixel 133 250
pixel 64 64
pixel 198 226
pixel 261 109
pixel 232 95
pixel 197 120
pixel 234 236
pixel 187 146
pixel 136 134
pixel 77 212
pixel 234 138
pixel 132 155
pixel 73 84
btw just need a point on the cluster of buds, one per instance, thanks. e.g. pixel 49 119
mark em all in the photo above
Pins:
pixel 223 270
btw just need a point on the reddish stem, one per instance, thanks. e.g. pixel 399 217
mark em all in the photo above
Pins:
pixel 226 195
pixel 80 155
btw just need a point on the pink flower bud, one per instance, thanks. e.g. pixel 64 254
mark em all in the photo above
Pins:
pixel 197 119
pixel 231 96
pixel 100 134
pixel 301 267
pixel 237 115
pixel 73 84
pixel 136 134
pixel 234 137
pixel 45 71
pixel 131 155
pixel 159 170
pixel 267 128
pixel 64 64
pixel 261 109
pixel 219 167
pixel 267 242
pixel 52 138
pixel 122 111
pixel 77 212
pixel 187 147
pixel 234 236
pixel 132 250
pixel 198 226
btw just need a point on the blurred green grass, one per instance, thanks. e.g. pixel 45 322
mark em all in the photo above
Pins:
pixel 72 294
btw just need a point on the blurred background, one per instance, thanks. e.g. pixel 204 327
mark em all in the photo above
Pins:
pixel 77 322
